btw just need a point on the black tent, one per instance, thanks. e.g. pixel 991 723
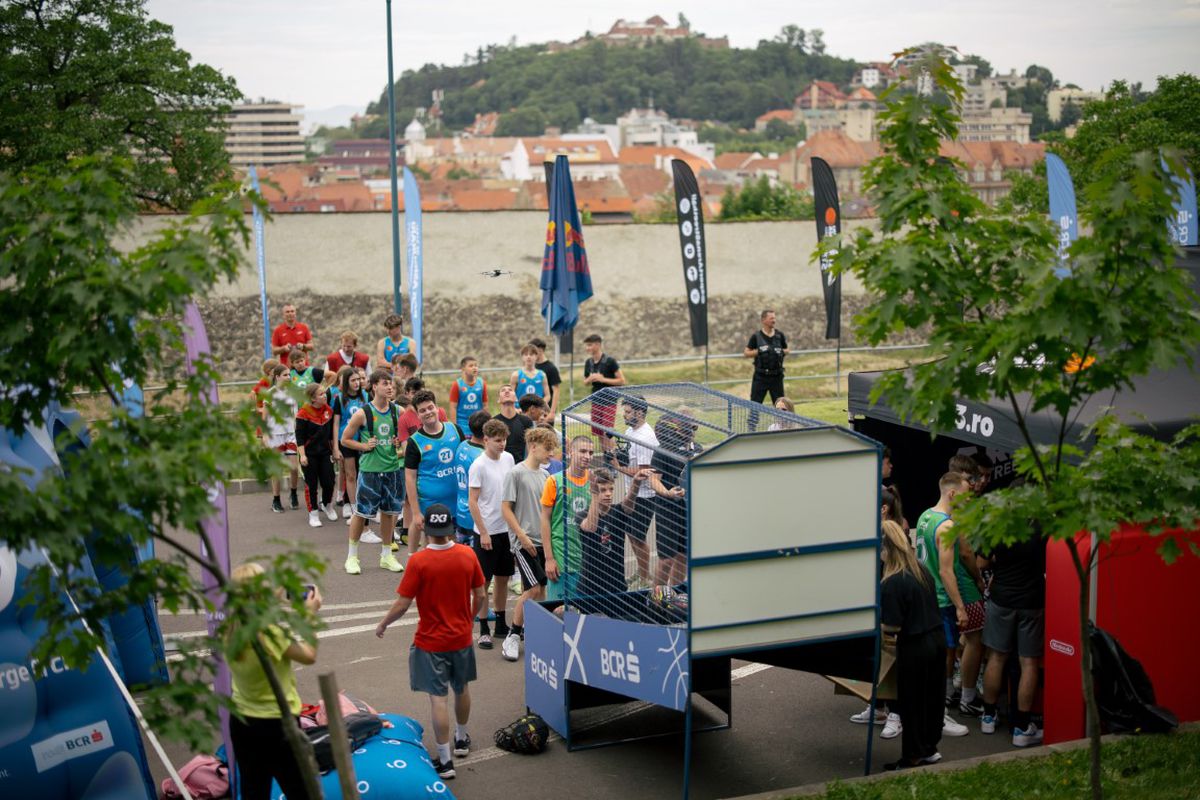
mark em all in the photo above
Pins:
pixel 1158 404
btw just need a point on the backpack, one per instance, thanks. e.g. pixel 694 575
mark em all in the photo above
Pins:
pixel 206 778
pixel 769 362
pixel 1123 689
pixel 360 726
pixel 370 426
pixel 527 736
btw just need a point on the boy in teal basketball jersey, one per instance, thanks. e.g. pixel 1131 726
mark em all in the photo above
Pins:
pixel 302 373
pixel 529 379
pixel 429 473
pixel 468 394
pixel 957 581
pixel 394 344
pixel 380 480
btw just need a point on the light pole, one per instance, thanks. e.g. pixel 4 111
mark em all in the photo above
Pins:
pixel 392 161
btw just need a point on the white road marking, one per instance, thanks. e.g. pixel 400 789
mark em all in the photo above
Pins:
pixel 183 612
pixel 329 634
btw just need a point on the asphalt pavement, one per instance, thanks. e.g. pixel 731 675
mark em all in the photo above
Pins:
pixel 788 728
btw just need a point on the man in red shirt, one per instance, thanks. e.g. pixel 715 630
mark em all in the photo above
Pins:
pixel 290 334
pixel 347 354
pixel 447 583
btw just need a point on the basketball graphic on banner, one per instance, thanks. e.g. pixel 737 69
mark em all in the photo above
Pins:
pixel 685 206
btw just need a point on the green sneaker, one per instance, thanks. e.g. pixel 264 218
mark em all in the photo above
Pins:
pixel 389 562
pixel 352 566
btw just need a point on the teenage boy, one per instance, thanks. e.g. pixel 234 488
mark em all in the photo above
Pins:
pixel 485 487
pixel 533 407
pixel 347 355
pixel 429 464
pixel 380 479
pixel 564 555
pixel 468 394
pixel 522 514
pixel 409 420
pixel 529 379
pixel 602 530
pixel 518 424
pixel 302 373
pixel 553 378
pixel 279 426
pixel 956 578
pixel 464 457
pixel 599 371
pixel 642 442
pixel 447 585
pixel 394 344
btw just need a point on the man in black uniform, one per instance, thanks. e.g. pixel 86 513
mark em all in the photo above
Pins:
pixel 768 347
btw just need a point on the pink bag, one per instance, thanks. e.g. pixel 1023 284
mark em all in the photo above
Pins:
pixel 350 705
pixel 205 777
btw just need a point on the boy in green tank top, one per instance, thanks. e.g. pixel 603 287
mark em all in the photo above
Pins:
pixel 957 580
pixel 380 473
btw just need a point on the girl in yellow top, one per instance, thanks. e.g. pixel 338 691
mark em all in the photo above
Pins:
pixel 256 726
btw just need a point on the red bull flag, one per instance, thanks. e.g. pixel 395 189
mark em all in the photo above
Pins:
pixel 566 281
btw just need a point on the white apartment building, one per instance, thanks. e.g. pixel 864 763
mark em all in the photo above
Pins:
pixel 264 134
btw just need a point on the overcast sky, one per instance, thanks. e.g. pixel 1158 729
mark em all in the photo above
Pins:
pixel 324 53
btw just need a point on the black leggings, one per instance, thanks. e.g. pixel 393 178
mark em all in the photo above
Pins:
pixel 262 753
pixel 921 693
pixel 319 469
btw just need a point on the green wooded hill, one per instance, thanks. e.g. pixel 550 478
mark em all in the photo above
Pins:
pixel 533 88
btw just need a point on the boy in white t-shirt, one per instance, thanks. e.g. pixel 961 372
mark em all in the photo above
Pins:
pixel 485 486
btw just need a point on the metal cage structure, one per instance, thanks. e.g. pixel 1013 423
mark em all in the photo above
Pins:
pixel 690 527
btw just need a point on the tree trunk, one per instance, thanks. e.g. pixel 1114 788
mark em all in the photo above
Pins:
pixel 1085 663
pixel 297 741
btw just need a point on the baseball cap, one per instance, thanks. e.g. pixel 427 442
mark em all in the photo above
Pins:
pixel 439 521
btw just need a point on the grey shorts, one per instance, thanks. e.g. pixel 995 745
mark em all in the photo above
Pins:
pixel 432 673
pixel 1026 625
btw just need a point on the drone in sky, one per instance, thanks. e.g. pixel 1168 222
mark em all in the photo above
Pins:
pixel 495 273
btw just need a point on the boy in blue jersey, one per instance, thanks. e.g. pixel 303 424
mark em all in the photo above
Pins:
pixel 464 457
pixel 468 394
pixel 429 465
pixel 529 379
pixel 394 344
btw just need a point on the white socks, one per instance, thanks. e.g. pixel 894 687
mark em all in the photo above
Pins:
pixel 460 731
pixel 353 550
pixel 443 752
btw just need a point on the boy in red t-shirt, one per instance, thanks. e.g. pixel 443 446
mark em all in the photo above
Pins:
pixel 447 583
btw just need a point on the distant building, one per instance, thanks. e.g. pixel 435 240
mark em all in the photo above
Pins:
pixel 264 134
pixel 996 125
pixel 1057 99
pixel 359 157
pixel 822 106
pixel 590 160
pixel 626 33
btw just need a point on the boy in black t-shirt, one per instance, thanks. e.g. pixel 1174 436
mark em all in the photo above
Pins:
pixel 601 371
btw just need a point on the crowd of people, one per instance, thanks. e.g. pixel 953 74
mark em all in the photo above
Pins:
pixel 945 608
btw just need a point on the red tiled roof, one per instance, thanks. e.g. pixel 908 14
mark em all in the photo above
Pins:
pixel 593 151
pixel 1010 155
pixel 862 93
pixel 603 197
pixel 483 199
pixel 734 160
pixel 785 114
pixel 838 149
pixel 644 181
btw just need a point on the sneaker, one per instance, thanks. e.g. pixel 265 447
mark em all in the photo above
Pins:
pixel 511 648
pixel 376 517
pixel 462 746
pixel 347 512
pixel 314 519
pixel 987 723
pixel 331 513
pixel 369 537
pixel 952 728
pixel 349 519
pixel 389 562
pixel 485 643
pixel 1027 737
pixel 295 501
pixel 892 728
pixel 445 769
pixel 352 566
pixel 896 766
pixel 277 506
pixel 395 547
pixel 971 709
pixel 933 759
pixel 501 633
pixel 862 717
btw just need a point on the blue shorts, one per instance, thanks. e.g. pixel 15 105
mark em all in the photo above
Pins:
pixel 435 673
pixel 950 626
pixel 379 492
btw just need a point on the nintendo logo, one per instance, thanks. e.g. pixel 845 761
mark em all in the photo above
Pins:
pixel 1062 647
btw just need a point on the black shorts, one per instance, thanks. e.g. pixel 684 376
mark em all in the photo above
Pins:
pixel 531 567
pixel 670 527
pixel 495 562
pixel 639 520
pixel 350 455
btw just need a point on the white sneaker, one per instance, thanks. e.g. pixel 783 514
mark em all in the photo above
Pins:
pixel 347 512
pixel 389 562
pixel 331 512
pixel 370 537
pixel 314 519
pixel 893 727
pixel 511 649
pixel 952 728
pixel 348 520
pixel 933 759
pixel 987 723
pixel 376 517
pixel 1027 737
pixel 863 716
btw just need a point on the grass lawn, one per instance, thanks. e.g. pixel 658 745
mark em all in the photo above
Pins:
pixel 1163 767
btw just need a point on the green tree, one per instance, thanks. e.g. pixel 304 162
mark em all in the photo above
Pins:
pixel 1003 325
pixel 81 77
pixel 526 121
pixel 759 200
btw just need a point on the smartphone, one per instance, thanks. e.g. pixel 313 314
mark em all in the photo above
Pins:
pixel 309 590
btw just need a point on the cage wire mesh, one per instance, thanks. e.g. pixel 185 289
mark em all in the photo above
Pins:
pixel 619 528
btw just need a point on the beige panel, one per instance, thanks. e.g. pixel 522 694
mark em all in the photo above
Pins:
pixel 782 587
pixel 775 633
pixel 741 508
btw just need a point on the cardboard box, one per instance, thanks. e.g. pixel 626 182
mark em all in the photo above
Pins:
pixel 862 689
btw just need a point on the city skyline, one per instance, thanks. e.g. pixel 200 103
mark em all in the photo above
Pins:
pixel 268 46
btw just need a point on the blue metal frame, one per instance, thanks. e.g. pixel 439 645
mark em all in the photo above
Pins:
pixel 787 552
